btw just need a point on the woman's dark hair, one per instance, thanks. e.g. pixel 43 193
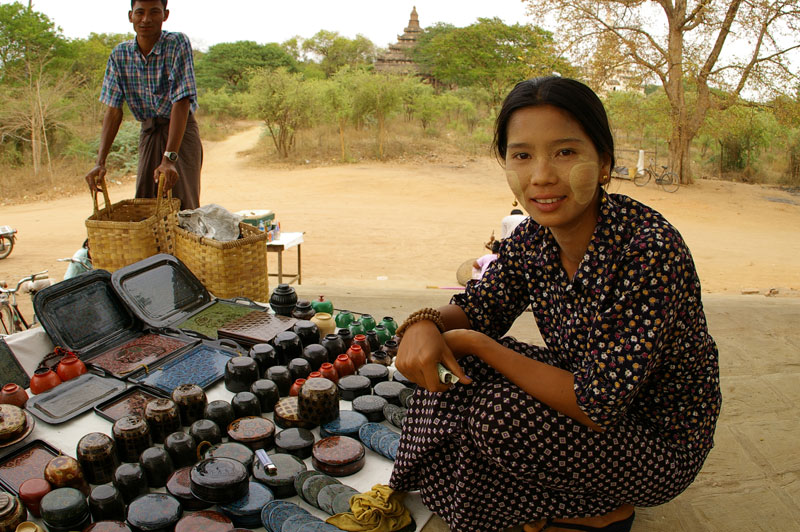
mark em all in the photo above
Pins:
pixel 496 246
pixel 570 95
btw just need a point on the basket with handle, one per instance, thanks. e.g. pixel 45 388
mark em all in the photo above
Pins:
pixel 131 230
pixel 227 269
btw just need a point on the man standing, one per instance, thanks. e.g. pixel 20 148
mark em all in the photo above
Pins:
pixel 154 74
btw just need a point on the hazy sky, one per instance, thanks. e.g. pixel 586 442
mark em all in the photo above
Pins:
pixel 209 22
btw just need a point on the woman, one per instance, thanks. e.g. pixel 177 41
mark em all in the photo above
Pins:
pixel 619 409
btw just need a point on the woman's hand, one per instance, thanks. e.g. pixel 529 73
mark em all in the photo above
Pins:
pixel 421 349
pixel 463 342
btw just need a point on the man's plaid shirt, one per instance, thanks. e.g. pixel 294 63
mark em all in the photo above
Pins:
pixel 151 85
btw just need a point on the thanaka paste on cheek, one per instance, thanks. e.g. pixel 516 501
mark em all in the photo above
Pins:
pixel 583 180
pixel 518 183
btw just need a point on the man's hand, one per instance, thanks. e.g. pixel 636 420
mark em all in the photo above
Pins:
pixel 170 171
pixel 94 177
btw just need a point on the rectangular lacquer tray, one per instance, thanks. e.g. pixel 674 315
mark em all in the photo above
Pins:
pixel 202 365
pixel 26 462
pixel 131 401
pixel 73 397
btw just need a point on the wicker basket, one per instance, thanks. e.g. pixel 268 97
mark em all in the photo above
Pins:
pixel 227 269
pixel 131 230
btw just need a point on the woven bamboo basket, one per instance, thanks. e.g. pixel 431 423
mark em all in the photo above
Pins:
pixel 227 269
pixel 131 230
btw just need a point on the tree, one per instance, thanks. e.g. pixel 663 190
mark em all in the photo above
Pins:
pixel 690 49
pixel 489 54
pixel 227 64
pixel 283 101
pixel 336 51
pixel 337 101
pixel 29 41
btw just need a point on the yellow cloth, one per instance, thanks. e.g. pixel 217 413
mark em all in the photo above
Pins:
pixel 378 510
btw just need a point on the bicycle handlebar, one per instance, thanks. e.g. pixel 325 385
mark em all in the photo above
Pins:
pixel 32 278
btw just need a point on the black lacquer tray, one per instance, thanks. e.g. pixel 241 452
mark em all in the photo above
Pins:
pixel 130 402
pixel 26 462
pixel 10 368
pixel 86 316
pixel 73 397
pixel 162 292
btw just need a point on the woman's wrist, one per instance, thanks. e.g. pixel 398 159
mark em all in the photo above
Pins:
pixel 428 314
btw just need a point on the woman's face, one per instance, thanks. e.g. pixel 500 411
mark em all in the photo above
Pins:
pixel 553 168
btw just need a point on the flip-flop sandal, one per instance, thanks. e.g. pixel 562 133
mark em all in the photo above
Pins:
pixel 618 526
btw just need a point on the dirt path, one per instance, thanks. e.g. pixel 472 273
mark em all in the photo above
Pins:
pixel 399 226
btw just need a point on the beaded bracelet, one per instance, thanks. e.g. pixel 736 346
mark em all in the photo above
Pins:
pixel 424 314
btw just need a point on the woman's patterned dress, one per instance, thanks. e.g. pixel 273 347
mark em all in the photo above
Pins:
pixel 630 327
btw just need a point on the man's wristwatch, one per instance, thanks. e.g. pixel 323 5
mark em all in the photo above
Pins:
pixel 171 156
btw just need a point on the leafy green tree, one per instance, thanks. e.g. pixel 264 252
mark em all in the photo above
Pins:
pixel 742 131
pixel 86 60
pixel 33 87
pixel 336 51
pixel 228 64
pixel 378 96
pixel 337 101
pixel 489 54
pixel 283 101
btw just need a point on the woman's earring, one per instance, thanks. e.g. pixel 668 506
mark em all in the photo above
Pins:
pixel 604 180
pixel 514 204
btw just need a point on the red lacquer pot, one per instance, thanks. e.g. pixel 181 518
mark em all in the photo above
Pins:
pixel 295 388
pixel 356 354
pixel 12 394
pixel 344 366
pixel 70 367
pixel 43 379
pixel 329 372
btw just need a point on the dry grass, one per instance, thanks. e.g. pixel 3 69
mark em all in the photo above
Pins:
pixel 404 141
pixel 21 185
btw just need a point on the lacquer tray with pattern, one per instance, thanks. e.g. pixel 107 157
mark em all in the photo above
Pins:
pixel 130 402
pixel 202 365
pixel 73 397
pixel 208 321
pixel 26 462
pixel 122 360
pixel 256 328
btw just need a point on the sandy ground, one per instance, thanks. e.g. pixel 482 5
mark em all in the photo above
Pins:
pixel 379 235
pixel 399 226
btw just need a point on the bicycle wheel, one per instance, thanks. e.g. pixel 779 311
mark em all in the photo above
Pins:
pixel 6 245
pixel 669 182
pixel 642 178
pixel 6 320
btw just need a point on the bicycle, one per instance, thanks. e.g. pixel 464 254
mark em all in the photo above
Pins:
pixel 7 238
pixel 669 181
pixel 11 319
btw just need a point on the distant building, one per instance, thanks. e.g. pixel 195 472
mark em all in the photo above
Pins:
pixel 398 59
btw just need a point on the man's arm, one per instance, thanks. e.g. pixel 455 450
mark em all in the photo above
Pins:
pixel 177 127
pixel 111 122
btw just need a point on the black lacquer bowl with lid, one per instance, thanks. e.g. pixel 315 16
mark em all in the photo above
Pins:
pixel 219 480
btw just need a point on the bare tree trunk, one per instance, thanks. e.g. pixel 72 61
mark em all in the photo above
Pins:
pixel 341 136
pixel 35 143
pixel 380 136
pixel 44 128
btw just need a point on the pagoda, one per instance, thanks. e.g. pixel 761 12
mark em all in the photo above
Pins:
pixel 398 59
